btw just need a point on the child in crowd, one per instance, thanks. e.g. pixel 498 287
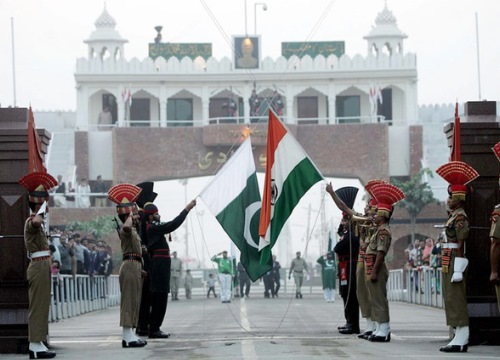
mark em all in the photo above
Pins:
pixel 211 285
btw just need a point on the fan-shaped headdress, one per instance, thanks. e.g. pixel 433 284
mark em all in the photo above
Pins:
pixel 496 150
pixel 38 185
pixel 147 194
pixel 124 195
pixel 387 196
pixel 348 195
pixel 458 174
pixel 372 201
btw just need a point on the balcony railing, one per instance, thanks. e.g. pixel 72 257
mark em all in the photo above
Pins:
pixel 242 120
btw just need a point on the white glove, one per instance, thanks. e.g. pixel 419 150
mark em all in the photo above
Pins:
pixel 460 265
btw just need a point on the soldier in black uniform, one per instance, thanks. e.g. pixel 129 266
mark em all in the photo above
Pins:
pixel 159 252
pixel 147 195
pixel 495 241
pixel 347 252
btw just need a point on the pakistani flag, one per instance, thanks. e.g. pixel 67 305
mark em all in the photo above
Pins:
pixel 289 175
pixel 233 197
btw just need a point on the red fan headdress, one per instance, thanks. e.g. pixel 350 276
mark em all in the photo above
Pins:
pixel 387 196
pixel 496 150
pixel 125 196
pixel 458 174
pixel 372 202
pixel 38 185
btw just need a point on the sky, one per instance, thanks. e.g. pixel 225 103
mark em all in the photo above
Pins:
pixel 49 34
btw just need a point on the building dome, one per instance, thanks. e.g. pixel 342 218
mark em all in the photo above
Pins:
pixel 105 38
pixel 105 20
pixel 385 17
pixel 385 33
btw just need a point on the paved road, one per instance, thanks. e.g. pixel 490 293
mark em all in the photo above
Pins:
pixel 258 328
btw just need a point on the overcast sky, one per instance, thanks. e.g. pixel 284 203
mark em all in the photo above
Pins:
pixel 49 35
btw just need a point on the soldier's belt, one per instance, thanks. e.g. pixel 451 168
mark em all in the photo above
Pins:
pixel 132 257
pixel 39 254
pixel 450 246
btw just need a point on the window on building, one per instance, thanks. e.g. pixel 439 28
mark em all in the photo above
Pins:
pixel 180 112
pixel 385 108
pixel 219 111
pixel 307 110
pixel 348 109
pixel 140 112
pixel 109 100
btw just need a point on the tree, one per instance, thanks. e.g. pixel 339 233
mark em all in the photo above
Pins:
pixel 98 227
pixel 418 195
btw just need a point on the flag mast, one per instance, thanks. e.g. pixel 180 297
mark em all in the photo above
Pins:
pixel 478 62
pixel 13 63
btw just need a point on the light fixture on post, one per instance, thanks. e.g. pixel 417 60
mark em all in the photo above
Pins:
pixel 264 7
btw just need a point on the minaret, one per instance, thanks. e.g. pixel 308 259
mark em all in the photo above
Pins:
pixel 385 36
pixel 105 42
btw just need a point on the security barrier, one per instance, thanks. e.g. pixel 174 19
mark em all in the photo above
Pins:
pixel 75 295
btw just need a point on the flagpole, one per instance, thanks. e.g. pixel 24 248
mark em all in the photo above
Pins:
pixel 13 63
pixel 478 62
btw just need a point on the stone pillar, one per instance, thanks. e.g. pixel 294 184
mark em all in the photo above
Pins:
pixel 479 132
pixel 289 106
pixel 14 211
pixel 163 113
pixel 331 104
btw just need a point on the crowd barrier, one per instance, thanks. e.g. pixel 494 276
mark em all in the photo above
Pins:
pixel 420 285
pixel 76 295
pixel 80 294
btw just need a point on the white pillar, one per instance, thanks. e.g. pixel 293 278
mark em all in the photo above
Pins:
pixel 290 119
pixel 246 106
pixel 121 113
pixel 163 112
pixel 331 103
pixel 205 103
pixel 163 100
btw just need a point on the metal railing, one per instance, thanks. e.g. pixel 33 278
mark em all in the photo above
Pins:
pixel 76 295
pixel 242 120
pixel 417 286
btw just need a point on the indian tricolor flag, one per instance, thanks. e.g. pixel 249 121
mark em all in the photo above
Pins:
pixel 289 175
pixel 233 197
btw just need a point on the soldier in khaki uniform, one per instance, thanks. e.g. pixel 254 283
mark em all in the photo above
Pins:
pixel 38 185
pixel 364 227
pixel 175 276
pixel 298 267
pixel 130 275
pixel 454 263
pixel 376 270
pixel 495 241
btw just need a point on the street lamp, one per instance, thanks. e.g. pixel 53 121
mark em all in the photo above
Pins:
pixel 264 7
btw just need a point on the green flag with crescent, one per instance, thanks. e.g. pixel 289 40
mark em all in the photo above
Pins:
pixel 234 199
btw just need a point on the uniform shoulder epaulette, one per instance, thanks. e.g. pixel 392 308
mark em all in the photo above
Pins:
pixel 384 231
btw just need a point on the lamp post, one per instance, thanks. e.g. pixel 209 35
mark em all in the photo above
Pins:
pixel 264 7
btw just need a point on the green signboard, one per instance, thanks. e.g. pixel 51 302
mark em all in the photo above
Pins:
pixel 313 49
pixel 167 50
